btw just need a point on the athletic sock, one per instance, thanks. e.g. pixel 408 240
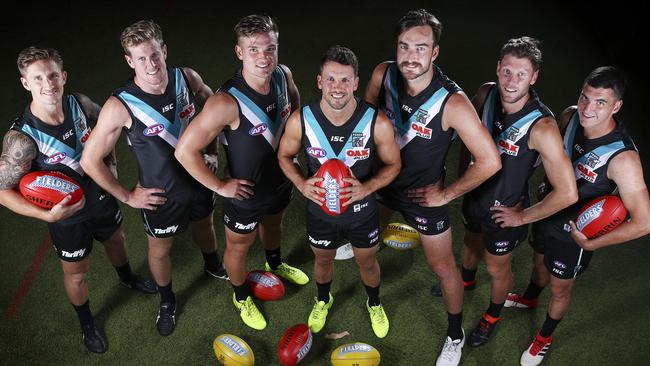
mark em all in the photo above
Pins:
pixel 273 257
pixel 241 291
pixel 324 291
pixel 468 275
pixel 124 272
pixel 84 314
pixel 166 293
pixel 211 260
pixel 549 326
pixel 533 291
pixel 454 329
pixel 373 295
pixel 495 309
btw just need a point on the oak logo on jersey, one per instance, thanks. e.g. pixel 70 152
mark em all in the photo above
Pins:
pixel 187 109
pixel 285 108
pixel 358 154
pixel 586 170
pixel 56 158
pixel 316 152
pixel 357 139
pixel 421 130
pixel 187 112
pixel 258 130
pixel 80 125
pixel 508 147
pixel 154 130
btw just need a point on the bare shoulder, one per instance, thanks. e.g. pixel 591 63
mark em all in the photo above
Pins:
pixel 286 70
pixel 624 166
pixel 481 94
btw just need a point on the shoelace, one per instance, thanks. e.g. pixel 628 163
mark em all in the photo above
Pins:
pixel 375 313
pixel 450 349
pixel 318 309
pixel 537 347
pixel 249 307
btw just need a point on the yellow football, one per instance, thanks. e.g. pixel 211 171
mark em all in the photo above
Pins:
pixel 400 236
pixel 233 351
pixel 355 354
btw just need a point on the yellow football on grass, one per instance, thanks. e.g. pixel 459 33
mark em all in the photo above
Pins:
pixel 355 354
pixel 233 351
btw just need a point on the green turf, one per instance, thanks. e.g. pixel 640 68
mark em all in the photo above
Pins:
pixel 609 314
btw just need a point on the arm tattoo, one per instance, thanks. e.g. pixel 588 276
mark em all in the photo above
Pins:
pixel 18 151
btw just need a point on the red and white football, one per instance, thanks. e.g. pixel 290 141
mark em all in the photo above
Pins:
pixel 46 189
pixel 333 171
pixel 294 344
pixel 265 285
pixel 600 216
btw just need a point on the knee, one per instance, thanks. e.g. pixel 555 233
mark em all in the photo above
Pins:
pixel 498 270
pixel 444 269
pixel 75 278
pixel 561 293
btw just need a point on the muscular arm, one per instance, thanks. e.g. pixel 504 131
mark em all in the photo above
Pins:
pixel 625 169
pixel 374 86
pixel 460 115
pixel 545 138
pixel 287 151
pixel 388 153
pixel 100 144
pixel 18 151
pixel 219 112
pixel 464 157
pixel 93 110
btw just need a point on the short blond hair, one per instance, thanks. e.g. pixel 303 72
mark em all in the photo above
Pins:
pixel 32 54
pixel 140 32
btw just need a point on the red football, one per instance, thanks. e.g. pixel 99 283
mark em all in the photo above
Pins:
pixel 600 216
pixel 294 345
pixel 333 171
pixel 46 189
pixel 265 285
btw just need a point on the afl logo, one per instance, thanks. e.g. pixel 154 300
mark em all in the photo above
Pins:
pixel 154 130
pixel 55 158
pixel 257 130
pixel 421 220
pixel 559 264
pixel 316 152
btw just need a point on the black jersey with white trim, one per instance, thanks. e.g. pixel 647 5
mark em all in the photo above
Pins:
pixel 60 148
pixel 251 149
pixel 417 121
pixel 511 133
pixel 352 142
pixel 157 124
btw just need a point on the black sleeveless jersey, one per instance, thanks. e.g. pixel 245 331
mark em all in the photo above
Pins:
pixel 251 149
pixel 417 122
pixel 510 133
pixel 353 143
pixel 590 158
pixel 157 123
pixel 60 148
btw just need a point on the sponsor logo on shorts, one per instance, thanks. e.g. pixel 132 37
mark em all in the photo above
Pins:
pixel 258 130
pixel 54 159
pixel 167 230
pixel 421 220
pixel 501 244
pixel 440 225
pixel 359 206
pixel 316 152
pixel 75 254
pixel 561 273
pixel 559 264
pixel 422 227
pixel 567 228
pixel 373 233
pixel 241 226
pixel 153 130
pixel 233 345
pixel 319 242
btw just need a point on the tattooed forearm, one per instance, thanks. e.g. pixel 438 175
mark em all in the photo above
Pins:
pixel 18 151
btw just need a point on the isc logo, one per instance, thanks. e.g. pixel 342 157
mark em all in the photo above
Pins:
pixel 316 152
pixel 154 130
pixel 167 108
pixel 258 130
pixel 55 158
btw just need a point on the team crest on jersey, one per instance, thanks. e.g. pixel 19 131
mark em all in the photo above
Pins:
pixel 508 147
pixel 357 139
pixel 512 133
pixel 421 130
pixel 154 130
pixel 56 158
pixel 358 154
pixel 592 159
pixel 316 152
pixel 421 116
pixel 258 130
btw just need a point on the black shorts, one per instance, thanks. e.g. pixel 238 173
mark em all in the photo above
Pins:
pixel 329 234
pixel 426 220
pixel 562 256
pixel 245 220
pixel 74 242
pixel 174 216
pixel 497 240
